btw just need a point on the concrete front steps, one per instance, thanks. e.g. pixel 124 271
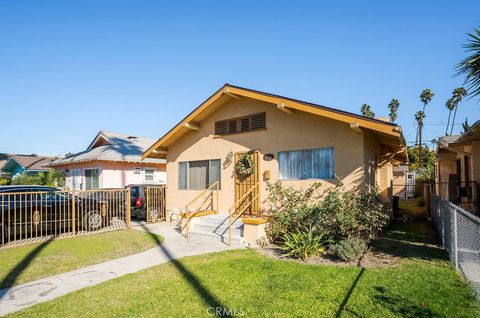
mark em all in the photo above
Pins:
pixel 215 227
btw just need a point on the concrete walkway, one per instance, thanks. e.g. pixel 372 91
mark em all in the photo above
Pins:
pixel 175 246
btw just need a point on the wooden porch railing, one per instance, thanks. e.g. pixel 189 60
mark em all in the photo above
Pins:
pixel 252 194
pixel 210 190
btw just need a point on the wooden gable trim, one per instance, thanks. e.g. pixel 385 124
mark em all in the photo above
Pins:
pixel 97 138
pixel 236 92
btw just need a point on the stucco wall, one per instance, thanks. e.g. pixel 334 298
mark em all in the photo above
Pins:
pixel 284 132
pixel 476 161
pixel 116 174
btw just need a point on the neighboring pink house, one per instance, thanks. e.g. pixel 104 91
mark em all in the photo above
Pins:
pixel 112 160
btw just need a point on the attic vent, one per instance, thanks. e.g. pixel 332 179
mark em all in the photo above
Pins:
pixel 132 137
pixel 241 124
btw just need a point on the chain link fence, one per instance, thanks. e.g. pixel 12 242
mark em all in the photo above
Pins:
pixel 459 232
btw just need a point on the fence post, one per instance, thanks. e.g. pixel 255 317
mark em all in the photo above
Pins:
pixel 147 205
pixel 73 212
pixel 426 197
pixel 455 236
pixel 127 203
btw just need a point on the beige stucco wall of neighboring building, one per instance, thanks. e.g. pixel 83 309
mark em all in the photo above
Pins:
pixel 475 159
pixel 114 174
pixel 444 166
pixel 378 170
pixel 284 132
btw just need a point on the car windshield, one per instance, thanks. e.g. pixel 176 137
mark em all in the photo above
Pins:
pixel 134 192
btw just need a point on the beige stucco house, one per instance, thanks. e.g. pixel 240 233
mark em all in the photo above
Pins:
pixel 289 140
pixel 457 169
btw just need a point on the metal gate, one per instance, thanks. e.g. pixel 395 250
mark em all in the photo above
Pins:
pixel 155 204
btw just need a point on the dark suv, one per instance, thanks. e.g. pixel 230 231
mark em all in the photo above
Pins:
pixel 138 203
pixel 41 210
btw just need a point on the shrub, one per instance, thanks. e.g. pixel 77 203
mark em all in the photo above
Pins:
pixel 335 212
pixel 346 214
pixel 291 209
pixel 420 201
pixel 350 249
pixel 303 244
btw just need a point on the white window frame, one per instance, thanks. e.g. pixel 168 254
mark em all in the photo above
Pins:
pixel 145 175
pixel 85 177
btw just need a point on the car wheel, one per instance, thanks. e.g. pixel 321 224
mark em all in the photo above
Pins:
pixel 93 221
pixel 152 216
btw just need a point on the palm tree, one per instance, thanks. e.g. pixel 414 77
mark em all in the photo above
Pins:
pixel 458 94
pixel 365 110
pixel 426 96
pixel 450 104
pixel 393 106
pixel 419 116
pixel 470 66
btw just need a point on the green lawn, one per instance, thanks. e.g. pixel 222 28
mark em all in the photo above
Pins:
pixel 422 283
pixel 26 263
pixel 411 208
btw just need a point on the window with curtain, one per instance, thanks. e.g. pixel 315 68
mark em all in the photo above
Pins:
pixel 306 164
pixel 198 175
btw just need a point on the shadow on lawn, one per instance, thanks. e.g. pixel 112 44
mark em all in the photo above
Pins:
pixel 402 306
pixel 12 276
pixel 409 240
pixel 214 306
pixel 338 314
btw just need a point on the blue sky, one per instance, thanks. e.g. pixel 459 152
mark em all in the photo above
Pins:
pixel 71 68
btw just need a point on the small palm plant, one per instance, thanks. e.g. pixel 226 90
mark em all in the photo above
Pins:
pixel 393 106
pixel 303 244
pixel 366 111
pixel 466 126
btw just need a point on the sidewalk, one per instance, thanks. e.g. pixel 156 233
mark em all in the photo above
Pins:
pixel 175 246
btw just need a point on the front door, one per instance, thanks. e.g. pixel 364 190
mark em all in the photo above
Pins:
pixel 251 203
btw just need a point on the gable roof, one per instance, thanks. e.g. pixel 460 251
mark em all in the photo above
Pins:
pixel 28 162
pixel 445 143
pixel 390 132
pixel 473 133
pixel 111 146
pixel 4 158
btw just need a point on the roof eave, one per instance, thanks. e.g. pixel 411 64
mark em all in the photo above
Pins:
pixel 369 123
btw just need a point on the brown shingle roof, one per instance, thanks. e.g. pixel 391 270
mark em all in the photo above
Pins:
pixel 30 162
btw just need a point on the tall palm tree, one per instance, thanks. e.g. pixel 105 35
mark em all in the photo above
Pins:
pixel 450 104
pixel 458 94
pixel 426 96
pixel 419 116
pixel 470 66
pixel 366 111
pixel 393 106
